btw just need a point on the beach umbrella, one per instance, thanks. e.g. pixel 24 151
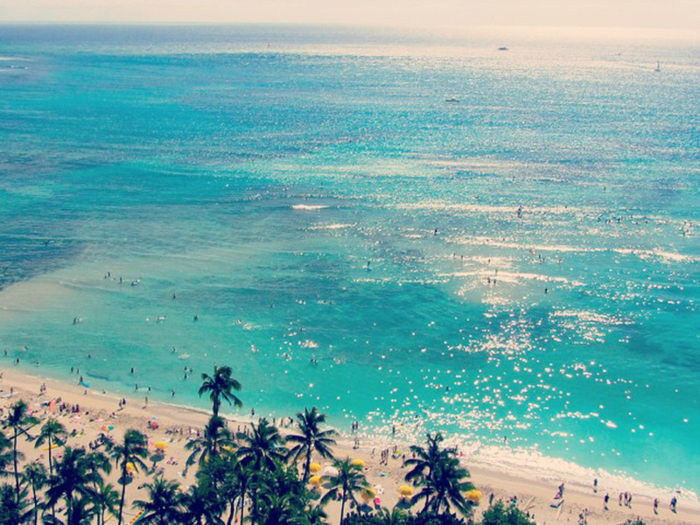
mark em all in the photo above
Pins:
pixel 406 491
pixel 315 468
pixel 368 494
pixel 315 481
pixel 474 496
pixel 130 468
pixel 330 471
pixel 358 463
pixel 161 445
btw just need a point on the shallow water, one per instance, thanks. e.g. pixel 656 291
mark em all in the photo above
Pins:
pixel 254 184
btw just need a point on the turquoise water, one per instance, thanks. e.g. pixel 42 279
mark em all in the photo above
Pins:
pixel 253 172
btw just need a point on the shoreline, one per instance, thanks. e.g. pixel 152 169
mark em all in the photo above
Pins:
pixel 534 491
pixel 504 460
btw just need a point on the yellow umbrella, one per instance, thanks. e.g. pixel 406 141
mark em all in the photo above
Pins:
pixel 161 445
pixel 368 494
pixel 314 468
pixel 315 481
pixel 406 491
pixel 358 463
pixel 130 468
pixel 474 496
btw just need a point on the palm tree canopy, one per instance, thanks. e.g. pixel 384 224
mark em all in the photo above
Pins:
pixel 71 476
pixel 133 449
pixel 5 453
pixel 310 437
pixel 164 503
pixel 220 386
pixel 215 438
pixel 262 448
pixel 348 480
pixel 18 418
pixel 51 430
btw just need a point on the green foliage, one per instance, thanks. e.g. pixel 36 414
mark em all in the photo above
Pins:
pixel 13 506
pixel 635 521
pixel 310 438
pixel 220 386
pixel 397 517
pixel 500 514
pixel 443 481
pixel 256 477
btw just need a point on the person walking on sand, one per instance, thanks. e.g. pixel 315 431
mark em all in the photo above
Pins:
pixel 606 499
pixel 656 505
pixel 674 502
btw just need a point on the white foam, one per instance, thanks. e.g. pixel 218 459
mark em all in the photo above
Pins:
pixel 308 207
pixel 641 253
pixel 334 226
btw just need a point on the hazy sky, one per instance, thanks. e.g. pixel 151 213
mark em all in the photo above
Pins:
pixel 581 13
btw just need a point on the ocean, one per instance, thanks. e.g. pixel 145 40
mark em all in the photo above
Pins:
pixel 405 229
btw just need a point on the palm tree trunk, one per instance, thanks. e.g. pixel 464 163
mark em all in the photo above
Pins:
pixel 243 502
pixel 69 509
pixel 121 501
pixel 36 504
pixel 342 508
pixel 14 460
pixel 254 510
pixel 307 466
pixel 215 406
pixel 231 514
pixel 50 458
pixel 53 505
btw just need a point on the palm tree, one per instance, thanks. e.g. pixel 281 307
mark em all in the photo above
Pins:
pixel 348 480
pixel 449 484
pixel 5 454
pixel 315 515
pixel 311 438
pixel 215 437
pixel 163 506
pixel 96 464
pixel 81 513
pixel 106 498
pixel 262 450
pixel 13 507
pixel 52 432
pixel 235 487
pixel 17 419
pixel 132 451
pixel 395 516
pixel 438 471
pixel 201 505
pixel 71 480
pixel 35 475
pixel 220 386
pixel 280 509
pixel 424 460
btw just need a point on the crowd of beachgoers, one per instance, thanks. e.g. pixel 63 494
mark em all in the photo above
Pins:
pixel 76 456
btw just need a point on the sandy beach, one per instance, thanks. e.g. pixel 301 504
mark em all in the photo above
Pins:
pixel 100 412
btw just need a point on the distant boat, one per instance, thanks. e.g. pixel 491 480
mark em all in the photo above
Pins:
pixel 504 48
pixel 452 100
pixel 658 68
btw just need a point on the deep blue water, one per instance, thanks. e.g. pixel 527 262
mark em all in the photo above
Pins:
pixel 253 172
